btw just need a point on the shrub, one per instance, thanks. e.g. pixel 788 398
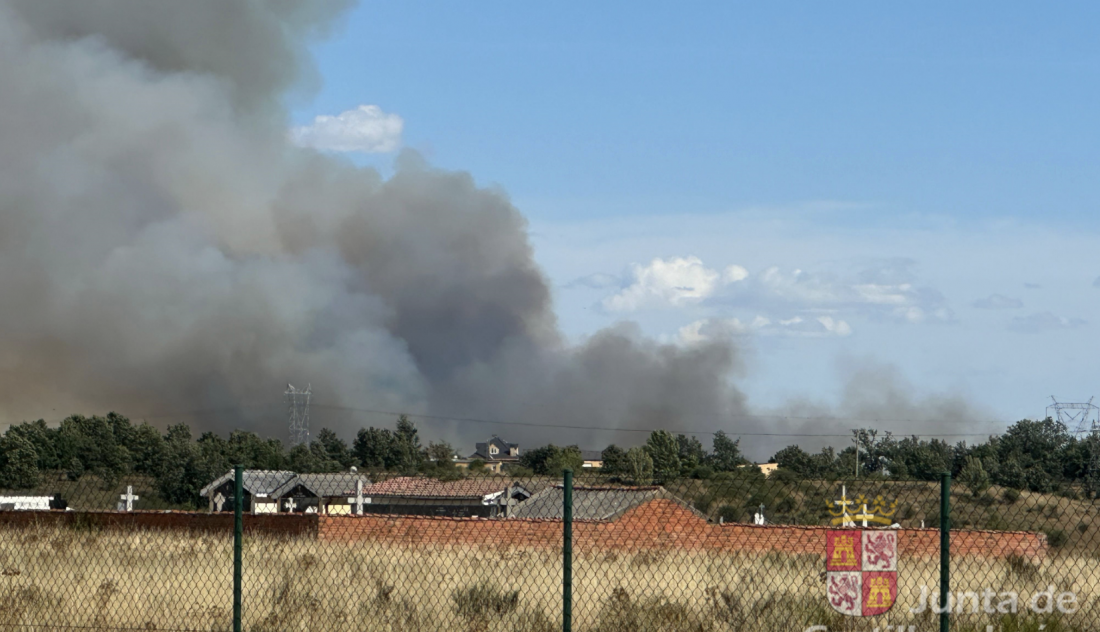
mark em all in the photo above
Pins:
pixel 1057 538
pixel 1023 567
pixel 484 600
pixel 1010 495
pixel 702 472
pixel 730 513
pixel 985 500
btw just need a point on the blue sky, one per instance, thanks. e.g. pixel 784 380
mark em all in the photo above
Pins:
pixel 925 175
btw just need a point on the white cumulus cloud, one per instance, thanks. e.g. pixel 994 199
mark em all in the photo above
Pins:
pixel 671 282
pixel 366 128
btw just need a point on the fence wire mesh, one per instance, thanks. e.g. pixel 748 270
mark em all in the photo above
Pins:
pixel 369 551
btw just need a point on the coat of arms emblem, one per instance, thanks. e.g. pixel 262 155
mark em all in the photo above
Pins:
pixel 861 571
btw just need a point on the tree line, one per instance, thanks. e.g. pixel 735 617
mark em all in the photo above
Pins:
pixel 1036 455
pixel 110 447
pixel 1041 456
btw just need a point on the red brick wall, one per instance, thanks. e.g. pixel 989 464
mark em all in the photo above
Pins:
pixel 280 524
pixel 658 524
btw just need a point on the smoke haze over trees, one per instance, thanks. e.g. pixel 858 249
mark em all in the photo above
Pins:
pixel 171 251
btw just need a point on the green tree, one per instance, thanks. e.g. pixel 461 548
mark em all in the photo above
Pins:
pixel 335 448
pixel 146 449
pixel 691 453
pixel 406 446
pixel 550 460
pixel 726 456
pixel 664 450
pixel 44 440
pixel 614 460
pixel 189 465
pixel 18 463
pixel 639 465
pixel 255 452
pixel 374 448
pixel 567 458
pixel 792 458
pixel 440 452
pixel 97 443
pixel 974 476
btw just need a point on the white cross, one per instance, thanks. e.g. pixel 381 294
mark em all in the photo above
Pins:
pixel 290 505
pixel 219 501
pixel 844 502
pixel 358 500
pixel 129 497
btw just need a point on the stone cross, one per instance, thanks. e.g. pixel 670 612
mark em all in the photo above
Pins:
pixel 219 502
pixel 358 500
pixel 129 498
pixel 290 504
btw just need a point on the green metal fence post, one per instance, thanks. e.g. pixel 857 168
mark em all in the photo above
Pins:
pixel 945 551
pixel 238 536
pixel 567 555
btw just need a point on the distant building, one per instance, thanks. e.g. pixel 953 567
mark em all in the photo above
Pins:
pixel 496 449
pixel 766 468
pixel 592 458
pixel 332 494
pixel 593 503
pixel 259 487
pixel 429 497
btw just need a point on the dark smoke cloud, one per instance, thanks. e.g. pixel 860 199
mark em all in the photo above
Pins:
pixel 162 248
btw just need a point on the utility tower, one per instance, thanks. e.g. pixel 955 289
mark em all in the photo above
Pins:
pixel 1084 420
pixel 297 404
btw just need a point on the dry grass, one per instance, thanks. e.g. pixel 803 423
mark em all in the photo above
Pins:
pixel 163 581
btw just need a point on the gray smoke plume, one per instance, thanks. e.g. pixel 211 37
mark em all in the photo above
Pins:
pixel 163 248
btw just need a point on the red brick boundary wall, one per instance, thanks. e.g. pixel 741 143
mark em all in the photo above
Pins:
pixel 276 524
pixel 658 524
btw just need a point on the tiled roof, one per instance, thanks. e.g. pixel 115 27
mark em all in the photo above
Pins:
pixel 324 485
pixel 589 503
pixel 255 482
pixel 415 487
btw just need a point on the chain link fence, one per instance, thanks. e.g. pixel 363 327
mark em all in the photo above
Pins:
pixel 359 551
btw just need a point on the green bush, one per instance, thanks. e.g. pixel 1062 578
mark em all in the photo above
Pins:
pixel 1010 495
pixel 730 513
pixel 484 600
pixel 1057 538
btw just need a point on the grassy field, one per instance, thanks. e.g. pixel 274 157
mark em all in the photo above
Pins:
pixel 165 581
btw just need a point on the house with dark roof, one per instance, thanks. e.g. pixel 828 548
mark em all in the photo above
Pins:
pixel 333 494
pixel 593 503
pixel 496 449
pixel 409 495
pixel 258 486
